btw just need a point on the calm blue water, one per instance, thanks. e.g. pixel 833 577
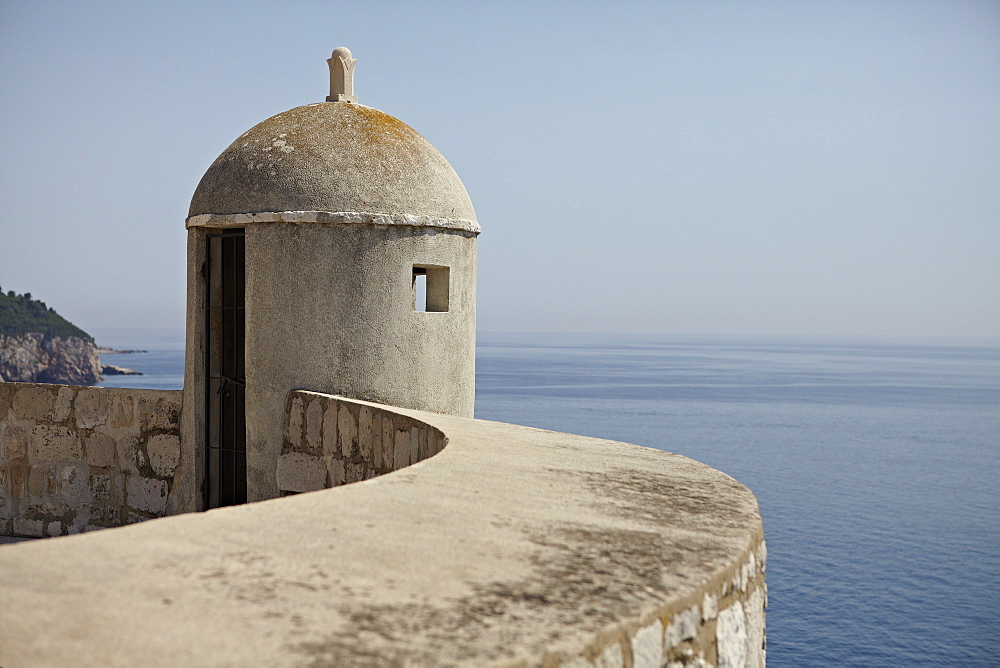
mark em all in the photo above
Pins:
pixel 162 366
pixel 876 464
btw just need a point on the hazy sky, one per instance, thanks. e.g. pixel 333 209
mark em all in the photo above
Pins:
pixel 685 167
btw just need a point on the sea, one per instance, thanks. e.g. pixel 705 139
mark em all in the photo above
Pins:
pixel 876 464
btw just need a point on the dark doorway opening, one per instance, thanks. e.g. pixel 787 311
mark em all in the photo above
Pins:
pixel 224 358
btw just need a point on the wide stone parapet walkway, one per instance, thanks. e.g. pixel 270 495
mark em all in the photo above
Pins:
pixel 510 545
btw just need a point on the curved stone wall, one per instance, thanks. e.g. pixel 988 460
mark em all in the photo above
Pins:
pixel 78 458
pixel 510 546
pixel 331 441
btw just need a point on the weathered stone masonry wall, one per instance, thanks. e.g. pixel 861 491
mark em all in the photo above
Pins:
pixel 722 625
pixel 75 458
pixel 332 441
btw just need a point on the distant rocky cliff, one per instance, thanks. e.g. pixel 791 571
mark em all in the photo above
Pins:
pixel 37 345
pixel 37 358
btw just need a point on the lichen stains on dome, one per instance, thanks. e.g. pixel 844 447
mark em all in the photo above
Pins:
pixel 332 156
pixel 378 126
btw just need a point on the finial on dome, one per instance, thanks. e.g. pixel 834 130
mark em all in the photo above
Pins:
pixel 341 76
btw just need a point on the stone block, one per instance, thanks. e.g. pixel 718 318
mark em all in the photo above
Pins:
pixel 33 403
pixel 314 426
pixel 354 472
pixel 85 514
pixel 365 433
pixel 91 407
pixel 49 442
pixel 422 449
pixel 72 482
pixel 335 469
pixel 54 529
pixel 756 635
pixel 122 412
pixel 63 404
pixel 731 637
pixel 709 607
pixel 100 486
pixel 127 453
pixel 376 440
pixel 15 442
pixel 164 452
pixel 298 472
pixel 42 481
pixel 647 646
pixel 7 391
pixel 401 448
pixel 100 450
pixel 330 443
pixel 146 494
pixel 388 445
pixel 18 478
pixel 414 445
pixel 293 433
pixel 684 626
pixel 157 413
pixel 347 430
pixel 610 657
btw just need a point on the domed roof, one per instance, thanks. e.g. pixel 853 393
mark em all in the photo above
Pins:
pixel 333 157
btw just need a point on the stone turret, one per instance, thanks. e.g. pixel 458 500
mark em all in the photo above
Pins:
pixel 331 248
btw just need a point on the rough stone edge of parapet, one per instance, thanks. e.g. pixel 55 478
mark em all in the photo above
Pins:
pixel 332 218
pixel 685 632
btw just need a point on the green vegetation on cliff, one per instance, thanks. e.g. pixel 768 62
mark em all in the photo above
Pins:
pixel 20 314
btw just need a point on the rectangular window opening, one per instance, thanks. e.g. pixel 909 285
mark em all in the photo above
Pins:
pixel 431 288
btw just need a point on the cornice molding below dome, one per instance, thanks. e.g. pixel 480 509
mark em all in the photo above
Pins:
pixel 332 218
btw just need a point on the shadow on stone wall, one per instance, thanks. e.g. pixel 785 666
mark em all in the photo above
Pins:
pixel 76 458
